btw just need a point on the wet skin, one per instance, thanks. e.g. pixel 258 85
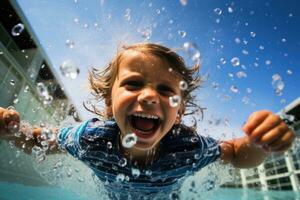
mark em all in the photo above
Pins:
pixel 143 85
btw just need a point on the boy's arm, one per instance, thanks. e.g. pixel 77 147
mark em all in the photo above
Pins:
pixel 22 137
pixel 265 133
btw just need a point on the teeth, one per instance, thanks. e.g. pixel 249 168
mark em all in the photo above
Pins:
pixel 145 116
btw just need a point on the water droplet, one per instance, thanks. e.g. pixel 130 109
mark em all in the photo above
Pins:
pixel 268 62
pixel 237 40
pixel 120 178
pixel 17 29
pixel 183 85
pixel 16 101
pixel 26 89
pixel 230 9
pixel 277 84
pixel 81 179
pixel 249 90
pixel 69 70
pixel 218 11
pixel 148 172
pixel 234 89
pixel 222 61
pixel 182 34
pixel 42 90
pixel 245 52
pixel 245 100
pixel 76 20
pixel 70 44
pixel 241 74
pixel 127 14
pixel 48 100
pixel 12 82
pixel 283 40
pixel 183 2
pixel 129 140
pixel 252 34
pixel 122 162
pixel 235 61
pixel 174 101
pixel 109 145
pixel 289 72
pixel 192 52
pixel 146 32
pixel 261 47
pixel 135 172
pixel 194 139
pixel 1 52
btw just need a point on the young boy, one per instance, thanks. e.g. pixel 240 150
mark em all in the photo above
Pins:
pixel 142 88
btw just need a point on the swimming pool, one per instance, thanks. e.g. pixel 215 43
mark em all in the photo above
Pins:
pixel 10 191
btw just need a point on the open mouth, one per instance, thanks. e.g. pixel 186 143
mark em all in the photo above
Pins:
pixel 144 125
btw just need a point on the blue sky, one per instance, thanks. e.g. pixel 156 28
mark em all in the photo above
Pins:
pixel 262 34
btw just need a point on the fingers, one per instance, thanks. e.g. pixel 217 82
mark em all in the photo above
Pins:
pixel 268 130
pixel 283 143
pixel 255 120
pixel 9 120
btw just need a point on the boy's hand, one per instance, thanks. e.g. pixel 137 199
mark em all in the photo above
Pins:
pixel 268 130
pixel 9 121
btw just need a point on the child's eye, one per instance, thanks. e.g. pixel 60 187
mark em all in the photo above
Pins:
pixel 133 85
pixel 166 90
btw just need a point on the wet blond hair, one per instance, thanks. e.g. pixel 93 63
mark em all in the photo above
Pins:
pixel 101 81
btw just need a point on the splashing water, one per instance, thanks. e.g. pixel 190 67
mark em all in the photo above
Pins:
pixel 174 101
pixel 17 29
pixel 69 70
pixel 192 52
pixel 277 84
pixel 183 85
pixel 235 61
pixel 218 11
pixel 70 43
pixel 129 140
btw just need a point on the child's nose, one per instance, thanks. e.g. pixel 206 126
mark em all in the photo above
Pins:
pixel 148 96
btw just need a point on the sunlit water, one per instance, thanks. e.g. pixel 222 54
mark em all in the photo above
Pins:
pixel 11 191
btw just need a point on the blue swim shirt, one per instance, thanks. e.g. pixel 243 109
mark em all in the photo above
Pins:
pixel 182 152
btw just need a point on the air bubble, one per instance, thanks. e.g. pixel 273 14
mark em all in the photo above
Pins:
pixel 218 11
pixel 183 2
pixel 69 70
pixel 277 84
pixel 174 101
pixel 182 34
pixel 192 52
pixel 252 34
pixel 109 145
pixel 234 89
pixel 120 178
pixel 183 85
pixel 17 29
pixel 135 172
pixel 237 40
pixel 230 9
pixel 122 162
pixel 70 44
pixel 127 15
pixel 12 82
pixel 289 72
pixel 241 74
pixel 129 140
pixel 235 61
pixel 268 62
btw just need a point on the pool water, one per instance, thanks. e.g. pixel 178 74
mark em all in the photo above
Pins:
pixel 11 191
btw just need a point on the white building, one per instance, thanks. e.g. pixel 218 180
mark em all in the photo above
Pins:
pixel 279 171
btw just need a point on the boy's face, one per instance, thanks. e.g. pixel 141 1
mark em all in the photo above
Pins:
pixel 140 98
